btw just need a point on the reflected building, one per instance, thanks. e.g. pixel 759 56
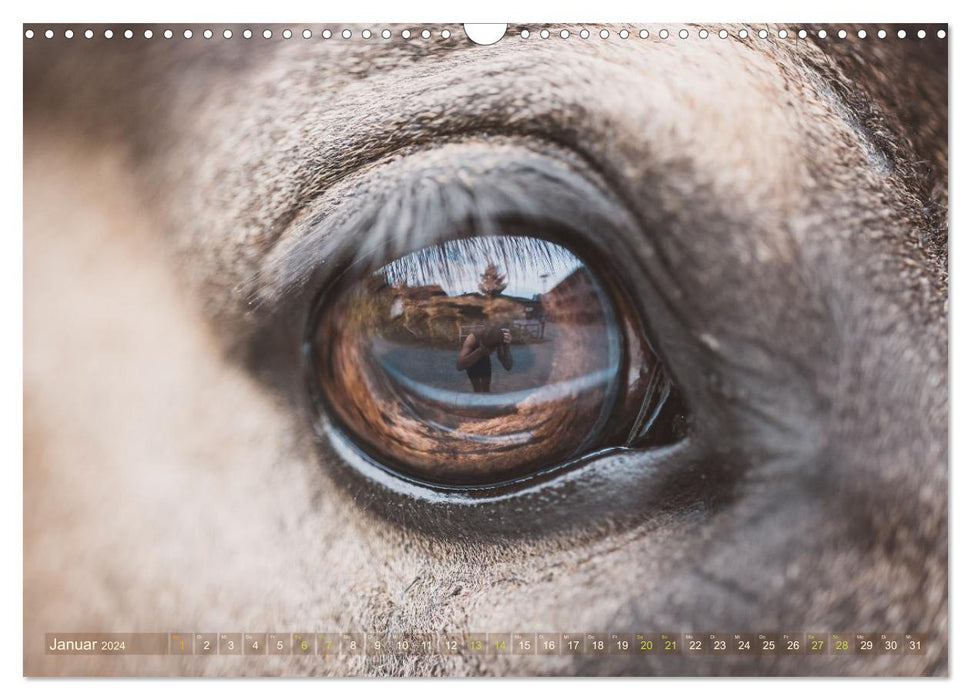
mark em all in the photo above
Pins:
pixel 569 300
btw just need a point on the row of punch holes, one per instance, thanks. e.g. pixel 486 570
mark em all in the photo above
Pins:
pixel 524 34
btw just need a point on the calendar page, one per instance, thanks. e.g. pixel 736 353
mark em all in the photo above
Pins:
pixel 485 350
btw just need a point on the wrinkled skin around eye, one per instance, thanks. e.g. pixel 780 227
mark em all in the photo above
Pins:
pixel 461 372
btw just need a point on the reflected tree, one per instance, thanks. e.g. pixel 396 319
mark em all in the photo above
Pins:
pixel 492 282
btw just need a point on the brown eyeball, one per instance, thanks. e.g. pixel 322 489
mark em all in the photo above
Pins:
pixel 479 360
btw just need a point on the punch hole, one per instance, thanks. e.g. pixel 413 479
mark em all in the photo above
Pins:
pixel 921 33
pixel 643 34
pixel 148 34
pixel 663 34
pixel 29 34
pixel 167 33
pixel 604 33
pixel 584 33
pixel 882 34
pixel 841 33
pixel 267 34
pixel 287 33
pixel 901 34
pixel 69 34
pixel 446 34
pixel 346 34
pixel 326 34
pixel 742 34
pixel 207 34
pixel 129 33
pixel 624 33
pixel 783 34
pixel 484 34
pixel 405 33
pixel 187 34
pixel 763 34
pixel 564 34
pixel 723 34
pixel 425 34
pixel 247 34
pixel 88 34
pixel 524 34
pixel 306 34
pixel 228 34
pixel 703 33
pixel 821 33
pixel 861 33
pixel 110 34
pixel 683 34
pixel 545 34
pixel 366 34
pixel 803 34
pixel 941 34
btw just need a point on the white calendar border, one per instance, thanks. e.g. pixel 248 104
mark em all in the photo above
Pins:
pixel 11 278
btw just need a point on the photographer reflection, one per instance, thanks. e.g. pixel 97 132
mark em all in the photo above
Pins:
pixel 474 356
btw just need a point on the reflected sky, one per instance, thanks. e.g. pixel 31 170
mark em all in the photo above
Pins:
pixel 531 266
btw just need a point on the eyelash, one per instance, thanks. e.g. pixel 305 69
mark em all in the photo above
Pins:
pixel 365 219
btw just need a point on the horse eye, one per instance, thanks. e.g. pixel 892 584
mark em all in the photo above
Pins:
pixel 480 360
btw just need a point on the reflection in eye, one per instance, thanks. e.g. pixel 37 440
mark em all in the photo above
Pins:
pixel 483 359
